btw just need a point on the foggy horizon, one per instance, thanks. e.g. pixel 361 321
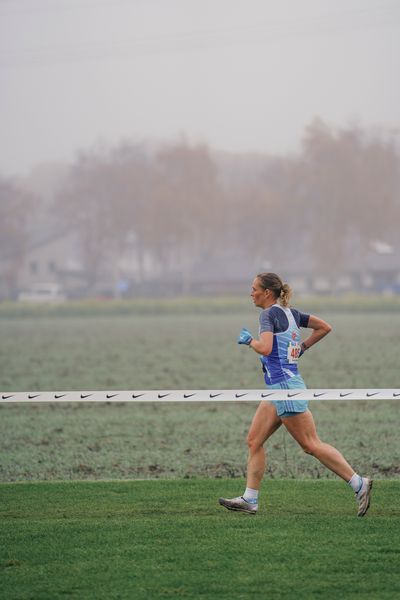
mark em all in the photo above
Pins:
pixel 244 78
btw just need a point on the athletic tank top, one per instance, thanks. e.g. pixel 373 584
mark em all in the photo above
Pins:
pixel 281 364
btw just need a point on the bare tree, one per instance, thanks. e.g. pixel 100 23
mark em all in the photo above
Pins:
pixel 353 188
pixel 15 207
pixel 187 209
pixel 104 201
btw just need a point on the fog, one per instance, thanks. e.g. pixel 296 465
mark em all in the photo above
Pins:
pixel 240 76
pixel 154 147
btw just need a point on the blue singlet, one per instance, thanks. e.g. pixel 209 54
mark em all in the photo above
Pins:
pixel 280 367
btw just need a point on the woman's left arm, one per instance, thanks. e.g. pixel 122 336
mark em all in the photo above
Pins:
pixel 320 330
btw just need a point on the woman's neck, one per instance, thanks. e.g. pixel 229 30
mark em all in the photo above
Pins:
pixel 268 303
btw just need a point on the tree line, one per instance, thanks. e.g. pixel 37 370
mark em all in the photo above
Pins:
pixel 184 207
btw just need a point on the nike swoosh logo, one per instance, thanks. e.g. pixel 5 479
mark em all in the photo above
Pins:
pixel 374 394
pixel 394 395
pixel 293 395
pixel 188 395
pixel 57 396
pixel 137 395
pixel 240 395
pixel 215 395
pixel 266 395
pixel 30 396
pixel 343 395
pixel 111 395
pixel 85 396
pixel 163 395
pixel 320 394
pixel 6 397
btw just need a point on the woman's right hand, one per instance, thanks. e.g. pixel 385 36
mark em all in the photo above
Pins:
pixel 245 337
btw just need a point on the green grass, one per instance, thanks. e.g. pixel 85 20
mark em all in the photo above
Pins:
pixel 176 441
pixel 164 539
pixel 357 303
pixel 169 538
pixel 185 351
pixel 78 441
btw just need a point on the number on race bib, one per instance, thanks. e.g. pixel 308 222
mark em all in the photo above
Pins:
pixel 293 353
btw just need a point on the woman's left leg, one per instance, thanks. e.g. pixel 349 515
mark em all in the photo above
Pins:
pixel 302 428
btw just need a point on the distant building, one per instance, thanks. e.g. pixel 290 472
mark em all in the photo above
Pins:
pixel 54 260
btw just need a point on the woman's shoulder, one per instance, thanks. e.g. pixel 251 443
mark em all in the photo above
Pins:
pixel 270 313
pixel 271 310
pixel 273 319
pixel 300 317
pixel 277 317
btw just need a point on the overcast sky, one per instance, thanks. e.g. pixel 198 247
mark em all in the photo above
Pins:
pixel 241 75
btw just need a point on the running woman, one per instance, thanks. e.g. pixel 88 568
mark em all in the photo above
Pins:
pixel 280 347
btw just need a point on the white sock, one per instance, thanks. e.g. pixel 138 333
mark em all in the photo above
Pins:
pixel 356 483
pixel 251 496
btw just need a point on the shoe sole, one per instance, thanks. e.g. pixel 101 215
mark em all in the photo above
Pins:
pixel 363 512
pixel 245 510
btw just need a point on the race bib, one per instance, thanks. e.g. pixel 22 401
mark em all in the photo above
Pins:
pixel 293 353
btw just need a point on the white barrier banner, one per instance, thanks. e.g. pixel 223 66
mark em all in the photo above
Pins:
pixel 241 395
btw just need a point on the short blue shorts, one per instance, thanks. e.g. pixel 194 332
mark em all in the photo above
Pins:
pixel 289 408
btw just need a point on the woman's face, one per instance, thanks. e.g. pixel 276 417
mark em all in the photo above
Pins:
pixel 260 296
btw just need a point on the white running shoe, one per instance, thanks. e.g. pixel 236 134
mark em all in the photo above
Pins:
pixel 363 497
pixel 239 504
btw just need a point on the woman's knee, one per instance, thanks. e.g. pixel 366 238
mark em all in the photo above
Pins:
pixel 310 446
pixel 254 443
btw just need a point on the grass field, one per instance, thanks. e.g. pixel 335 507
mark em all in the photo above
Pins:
pixel 186 440
pixel 169 538
pixel 147 539
pixel 345 303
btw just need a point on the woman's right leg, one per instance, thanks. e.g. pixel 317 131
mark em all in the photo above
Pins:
pixel 264 424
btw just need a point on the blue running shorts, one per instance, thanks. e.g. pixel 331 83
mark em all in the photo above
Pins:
pixel 289 408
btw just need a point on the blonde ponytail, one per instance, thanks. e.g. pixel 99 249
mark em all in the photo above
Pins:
pixel 285 295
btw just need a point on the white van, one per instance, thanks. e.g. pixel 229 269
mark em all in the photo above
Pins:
pixel 43 292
